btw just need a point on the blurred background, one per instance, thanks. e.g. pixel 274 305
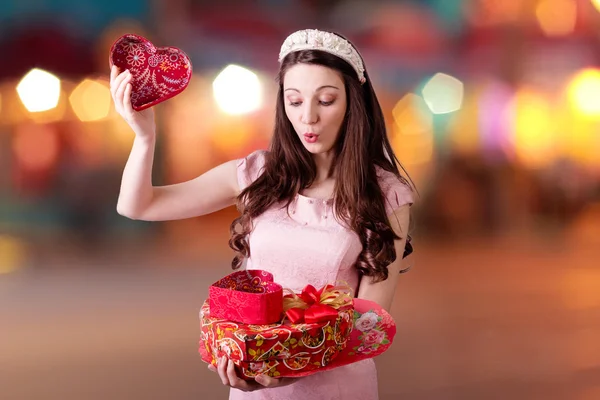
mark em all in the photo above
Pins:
pixel 492 106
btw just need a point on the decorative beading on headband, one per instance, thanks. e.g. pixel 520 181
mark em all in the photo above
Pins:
pixel 313 39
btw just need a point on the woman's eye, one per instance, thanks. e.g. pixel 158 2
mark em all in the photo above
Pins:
pixel 326 103
pixel 295 103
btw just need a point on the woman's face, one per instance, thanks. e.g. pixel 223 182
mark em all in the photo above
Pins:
pixel 315 103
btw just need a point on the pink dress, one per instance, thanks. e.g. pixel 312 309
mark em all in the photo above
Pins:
pixel 309 246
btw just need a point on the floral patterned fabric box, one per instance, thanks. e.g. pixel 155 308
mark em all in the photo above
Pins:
pixel 316 327
pixel 372 334
pixel 322 329
pixel 277 348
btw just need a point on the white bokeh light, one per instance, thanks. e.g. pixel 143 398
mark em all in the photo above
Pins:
pixel 237 90
pixel 443 94
pixel 584 91
pixel 39 90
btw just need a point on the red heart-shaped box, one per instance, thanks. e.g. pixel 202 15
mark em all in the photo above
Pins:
pixel 249 297
pixel 159 73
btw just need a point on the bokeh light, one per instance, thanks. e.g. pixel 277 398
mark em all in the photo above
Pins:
pixel 495 117
pixel 412 139
pixel 36 146
pixel 596 4
pixel 464 133
pixel 412 115
pixel 230 134
pixel 187 142
pixel 492 12
pixel 39 90
pixel 443 94
pixel 557 17
pixel 91 100
pixel 12 254
pixel 237 90
pixel 584 92
pixel 534 139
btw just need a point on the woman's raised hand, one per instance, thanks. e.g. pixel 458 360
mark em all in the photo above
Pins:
pixel 142 122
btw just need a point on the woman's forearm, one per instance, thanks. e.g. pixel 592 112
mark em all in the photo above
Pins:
pixel 136 185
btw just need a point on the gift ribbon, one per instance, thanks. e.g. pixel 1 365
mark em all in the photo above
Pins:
pixel 313 305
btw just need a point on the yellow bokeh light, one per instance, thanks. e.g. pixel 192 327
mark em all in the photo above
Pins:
pixel 413 130
pixel 596 4
pixel 412 116
pixel 237 90
pixel 120 138
pixel 557 17
pixel 232 133
pixel 36 146
pixel 13 111
pixel 91 100
pixel 535 136
pixel 577 136
pixel 443 94
pixel 39 90
pixel 12 254
pixel 412 150
pixel 464 132
pixel 584 92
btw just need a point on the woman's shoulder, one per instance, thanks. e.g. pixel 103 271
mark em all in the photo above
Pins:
pixel 250 167
pixel 396 190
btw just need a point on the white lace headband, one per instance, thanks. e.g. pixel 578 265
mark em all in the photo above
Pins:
pixel 313 39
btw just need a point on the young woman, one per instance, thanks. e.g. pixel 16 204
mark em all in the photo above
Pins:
pixel 326 202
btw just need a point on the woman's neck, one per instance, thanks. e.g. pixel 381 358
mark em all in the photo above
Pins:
pixel 323 163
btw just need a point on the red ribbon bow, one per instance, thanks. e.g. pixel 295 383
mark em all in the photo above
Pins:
pixel 316 311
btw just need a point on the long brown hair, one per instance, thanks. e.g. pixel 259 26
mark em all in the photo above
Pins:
pixel 362 145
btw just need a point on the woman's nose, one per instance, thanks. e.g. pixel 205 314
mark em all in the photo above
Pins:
pixel 309 115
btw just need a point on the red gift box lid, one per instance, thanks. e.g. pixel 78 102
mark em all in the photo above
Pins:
pixel 249 297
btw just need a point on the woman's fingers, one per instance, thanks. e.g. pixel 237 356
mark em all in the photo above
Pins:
pixel 120 94
pixel 236 382
pixel 114 71
pixel 116 84
pixel 127 99
pixel 222 370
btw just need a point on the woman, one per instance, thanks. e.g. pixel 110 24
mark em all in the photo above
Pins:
pixel 325 203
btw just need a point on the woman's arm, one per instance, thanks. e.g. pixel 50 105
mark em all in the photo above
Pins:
pixel 138 199
pixel 382 293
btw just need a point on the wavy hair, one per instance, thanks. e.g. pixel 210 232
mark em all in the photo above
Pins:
pixel 361 146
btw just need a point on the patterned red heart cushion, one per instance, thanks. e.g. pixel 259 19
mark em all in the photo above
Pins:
pixel 159 73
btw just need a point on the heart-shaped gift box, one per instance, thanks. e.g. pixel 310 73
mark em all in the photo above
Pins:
pixel 248 297
pixel 158 73
pixel 372 335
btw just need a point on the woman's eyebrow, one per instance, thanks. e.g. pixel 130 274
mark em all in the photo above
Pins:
pixel 319 88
